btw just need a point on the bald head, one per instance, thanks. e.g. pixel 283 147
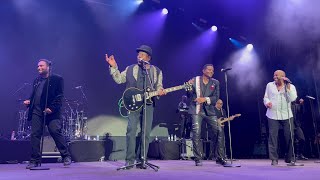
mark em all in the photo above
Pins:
pixel 280 72
pixel 278 75
pixel 219 104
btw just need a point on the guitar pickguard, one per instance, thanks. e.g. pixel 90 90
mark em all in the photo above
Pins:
pixel 137 97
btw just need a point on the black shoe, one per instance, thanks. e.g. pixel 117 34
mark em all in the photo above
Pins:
pixel 198 163
pixel 289 161
pixel 274 162
pixel 221 161
pixel 67 161
pixel 301 157
pixel 32 165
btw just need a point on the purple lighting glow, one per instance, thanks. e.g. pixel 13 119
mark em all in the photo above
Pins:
pixel 164 11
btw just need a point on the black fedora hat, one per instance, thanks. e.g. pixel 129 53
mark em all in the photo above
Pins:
pixel 146 49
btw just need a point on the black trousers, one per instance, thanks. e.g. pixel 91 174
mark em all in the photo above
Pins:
pixel 54 127
pixel 274 126
pixel 135 119
pixel 185 125
pixel 299 136
pixel 218 151
pixel 196 134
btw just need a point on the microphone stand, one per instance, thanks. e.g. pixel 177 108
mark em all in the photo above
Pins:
pixel 229 124
pixel 144 163
pixel 44 125
pixel 22 119
pixel 83 122
pixel 22 87
pixel 292 163
pixel 315 127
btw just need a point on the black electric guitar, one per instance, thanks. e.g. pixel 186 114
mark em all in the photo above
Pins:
pixel 132 98
pixel 223 120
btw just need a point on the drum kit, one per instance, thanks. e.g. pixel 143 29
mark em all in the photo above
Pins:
pixel 24 127
pixel 73 118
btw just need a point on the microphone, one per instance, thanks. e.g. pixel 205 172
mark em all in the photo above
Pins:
pixel 287 80
pixel 226 69
pixel 310 97
pixel 78 87
pixel 141 61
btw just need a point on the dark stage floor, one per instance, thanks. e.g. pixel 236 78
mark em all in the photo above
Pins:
pixel 170 169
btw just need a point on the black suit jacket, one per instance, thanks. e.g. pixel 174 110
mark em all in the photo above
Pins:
pixel 212 91
pixel 55 96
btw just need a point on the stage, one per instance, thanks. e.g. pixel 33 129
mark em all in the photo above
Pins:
pixel 169 169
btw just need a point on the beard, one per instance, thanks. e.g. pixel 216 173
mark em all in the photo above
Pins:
pixel 43 73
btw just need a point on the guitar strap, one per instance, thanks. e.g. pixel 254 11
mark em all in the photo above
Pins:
pixel 152 76
pixel 198 93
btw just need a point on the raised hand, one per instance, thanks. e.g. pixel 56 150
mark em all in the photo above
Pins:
pixel 111 60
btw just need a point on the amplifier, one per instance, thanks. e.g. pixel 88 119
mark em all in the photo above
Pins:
pixel 186 149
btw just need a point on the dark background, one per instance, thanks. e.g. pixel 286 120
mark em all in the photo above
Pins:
pixel 76 34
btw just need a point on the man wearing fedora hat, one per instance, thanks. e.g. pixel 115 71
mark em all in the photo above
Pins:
pixel 134 76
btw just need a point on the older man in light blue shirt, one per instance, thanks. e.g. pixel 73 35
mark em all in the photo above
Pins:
pixel 278 97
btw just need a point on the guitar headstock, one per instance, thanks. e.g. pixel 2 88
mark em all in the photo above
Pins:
pixel 237 115
pixel 187 86
pixel 234 116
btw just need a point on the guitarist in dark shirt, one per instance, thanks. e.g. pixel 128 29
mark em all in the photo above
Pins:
pixel 298 110
pixel 184 117
pixel 220 157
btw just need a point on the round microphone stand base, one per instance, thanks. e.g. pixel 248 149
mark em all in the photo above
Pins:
pixel 294 164
pixel 141 164
pixel 40 168
pixel 231 165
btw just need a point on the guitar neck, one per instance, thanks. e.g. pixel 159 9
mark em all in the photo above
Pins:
pixel 175 88
pixel 230 118
pixel 225 120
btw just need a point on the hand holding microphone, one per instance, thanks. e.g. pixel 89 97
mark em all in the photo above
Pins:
pixel 286 80
pixel 143 62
